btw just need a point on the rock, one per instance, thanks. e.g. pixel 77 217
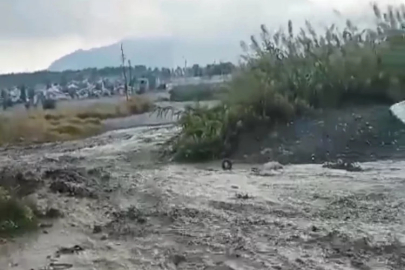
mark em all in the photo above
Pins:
pixel 97 229
pixel 72 189
pixel 53 213
pixel 178 259
pixel 45 225
pixel 71 175
pixel 25 182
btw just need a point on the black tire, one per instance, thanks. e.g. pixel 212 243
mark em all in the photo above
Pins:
pixel 226 165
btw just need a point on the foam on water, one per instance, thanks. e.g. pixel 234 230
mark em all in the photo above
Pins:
pixel 141 137
pixel 398 110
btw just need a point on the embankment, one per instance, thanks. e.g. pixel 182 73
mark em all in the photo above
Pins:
pixel 355 134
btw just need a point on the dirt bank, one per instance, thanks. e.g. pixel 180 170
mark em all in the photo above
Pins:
pixel 353 134
pixel 120 209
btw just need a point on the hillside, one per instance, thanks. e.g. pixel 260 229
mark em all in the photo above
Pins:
pixel 152 52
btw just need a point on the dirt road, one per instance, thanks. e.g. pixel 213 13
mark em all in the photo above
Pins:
pixel 127 211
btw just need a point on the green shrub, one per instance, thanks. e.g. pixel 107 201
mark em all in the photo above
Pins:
pixel 15 214
pixel 285 75
pixel 203 133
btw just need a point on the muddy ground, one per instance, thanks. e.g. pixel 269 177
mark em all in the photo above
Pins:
pixel 115 207
pixel 359 134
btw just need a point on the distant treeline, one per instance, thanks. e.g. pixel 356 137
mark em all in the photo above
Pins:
pixel 47 77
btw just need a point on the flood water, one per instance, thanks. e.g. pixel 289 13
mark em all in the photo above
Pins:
pixel 154 215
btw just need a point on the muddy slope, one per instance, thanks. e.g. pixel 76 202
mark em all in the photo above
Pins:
pixel 354 134
pixel 119 209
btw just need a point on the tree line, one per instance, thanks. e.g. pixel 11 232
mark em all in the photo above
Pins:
pixel 47 77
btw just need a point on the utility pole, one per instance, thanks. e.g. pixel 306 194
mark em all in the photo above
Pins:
pixel 124 72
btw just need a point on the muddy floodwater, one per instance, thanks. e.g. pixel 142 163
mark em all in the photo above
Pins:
pixel 119 208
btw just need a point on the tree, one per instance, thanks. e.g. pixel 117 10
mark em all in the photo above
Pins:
pixel 23 93
pixel 196 70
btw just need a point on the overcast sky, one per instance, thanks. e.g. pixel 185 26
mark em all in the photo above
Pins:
pixel 33 33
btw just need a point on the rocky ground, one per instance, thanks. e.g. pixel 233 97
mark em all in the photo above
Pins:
pixel 108 204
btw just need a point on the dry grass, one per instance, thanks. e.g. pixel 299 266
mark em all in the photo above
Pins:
pixel 40 126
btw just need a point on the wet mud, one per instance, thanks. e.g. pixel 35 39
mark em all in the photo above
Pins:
pixel 109 204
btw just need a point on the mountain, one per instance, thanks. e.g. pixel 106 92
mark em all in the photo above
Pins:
pixel 152 52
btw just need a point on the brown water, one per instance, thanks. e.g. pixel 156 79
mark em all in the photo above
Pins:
pixel 170 216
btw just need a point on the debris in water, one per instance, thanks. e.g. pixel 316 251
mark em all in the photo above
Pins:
pixel 59 266
pixel 267 169
pixel 243 196
pixel 341 165
pixel 69 250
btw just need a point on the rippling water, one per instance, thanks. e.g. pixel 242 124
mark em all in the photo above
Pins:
pixel 157 216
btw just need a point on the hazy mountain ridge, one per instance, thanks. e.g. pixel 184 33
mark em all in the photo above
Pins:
pixel 151 52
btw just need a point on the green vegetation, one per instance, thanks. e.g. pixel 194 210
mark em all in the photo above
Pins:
pixel 15 214
pixel 198 92
pixel 288 74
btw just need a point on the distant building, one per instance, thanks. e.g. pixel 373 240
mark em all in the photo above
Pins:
pixel 181 81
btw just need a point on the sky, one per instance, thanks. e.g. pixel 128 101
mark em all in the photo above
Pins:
pixel 34 33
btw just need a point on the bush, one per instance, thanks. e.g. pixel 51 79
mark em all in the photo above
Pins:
pixel 138 105
pixel 286 75
pixel 15 214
